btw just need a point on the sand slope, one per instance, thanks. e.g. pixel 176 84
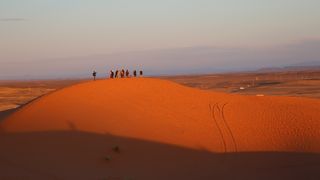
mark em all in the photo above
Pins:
pixel 162 113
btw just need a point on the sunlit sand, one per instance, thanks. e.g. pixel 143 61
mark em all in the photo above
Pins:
pixel 160 130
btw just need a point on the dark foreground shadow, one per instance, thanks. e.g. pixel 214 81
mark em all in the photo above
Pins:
pixel 6 113
pixel 79 155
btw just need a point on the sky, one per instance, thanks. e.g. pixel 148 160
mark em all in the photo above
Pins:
pixel 44 30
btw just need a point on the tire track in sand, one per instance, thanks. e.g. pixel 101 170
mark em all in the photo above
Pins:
pixel 212 111
pixel 228 128
pixel 224 130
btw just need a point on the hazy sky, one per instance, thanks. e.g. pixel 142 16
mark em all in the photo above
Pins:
pixel 46 29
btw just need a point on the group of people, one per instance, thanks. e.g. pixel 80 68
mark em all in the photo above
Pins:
pixel 120 74
pixel 124 73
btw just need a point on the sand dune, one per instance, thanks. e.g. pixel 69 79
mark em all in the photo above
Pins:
pixel 162 111
pixel 153 111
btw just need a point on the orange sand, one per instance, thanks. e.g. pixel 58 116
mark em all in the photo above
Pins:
pixel 162 112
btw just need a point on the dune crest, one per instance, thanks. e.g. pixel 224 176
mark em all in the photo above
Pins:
pixel 165 112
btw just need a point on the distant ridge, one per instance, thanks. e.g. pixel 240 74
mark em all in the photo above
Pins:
pixel 290 68
pixel 175 61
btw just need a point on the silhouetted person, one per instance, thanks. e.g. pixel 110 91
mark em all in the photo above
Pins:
pixel 111 74
pixel 135 73
pixel 117 74
pixel 122 73
pixel 127 73
pixel 141 73
pixel 94 74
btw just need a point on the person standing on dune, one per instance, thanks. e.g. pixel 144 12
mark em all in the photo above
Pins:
pixel 135 73
pixel 117 74
pixel 94 74
pixel 111 74
pixel 141 73
pixel 122 73
pixel 127 73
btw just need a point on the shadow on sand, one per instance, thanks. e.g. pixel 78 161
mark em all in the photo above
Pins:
pixel 80 155
pixel 6 113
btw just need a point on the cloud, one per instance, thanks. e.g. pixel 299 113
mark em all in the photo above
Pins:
pixel 12 19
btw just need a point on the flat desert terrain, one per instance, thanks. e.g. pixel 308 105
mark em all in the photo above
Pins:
pixel 16 93
pixel 289 83
pixel 148 128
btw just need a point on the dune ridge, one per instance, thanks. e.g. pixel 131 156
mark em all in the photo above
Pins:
pixel 165 112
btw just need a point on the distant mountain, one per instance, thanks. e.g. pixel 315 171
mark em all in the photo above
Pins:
pixel 191 60
pixel 308 64
pixel 289 68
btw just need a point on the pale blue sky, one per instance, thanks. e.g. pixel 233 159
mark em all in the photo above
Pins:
pixel 46 29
